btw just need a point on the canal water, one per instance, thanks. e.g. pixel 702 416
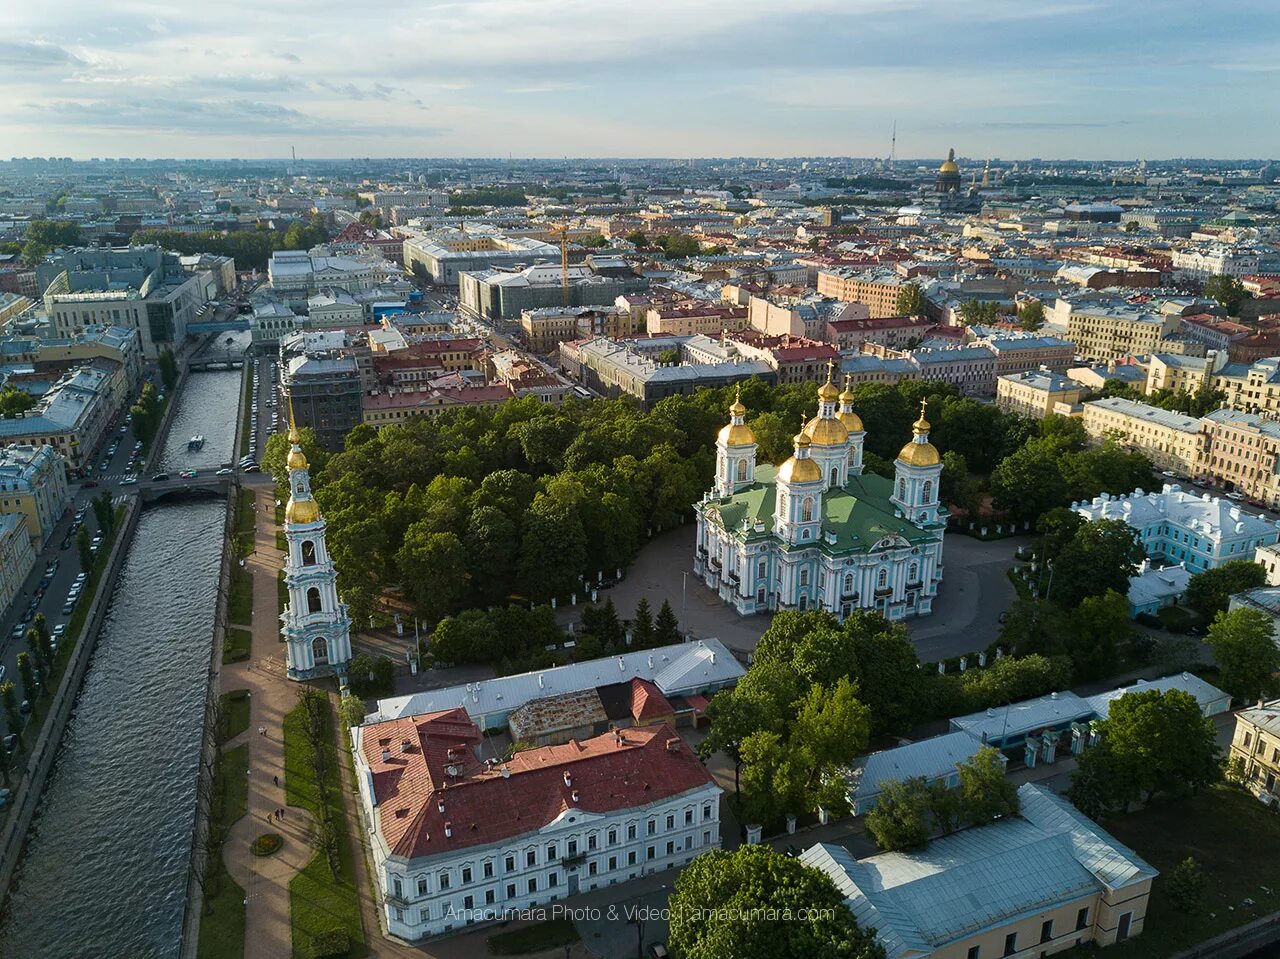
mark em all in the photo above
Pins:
pixel 105 870
pixel 214 418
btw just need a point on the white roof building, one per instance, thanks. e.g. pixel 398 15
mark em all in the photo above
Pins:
pixel 682 669
pixel 934 759
pixel 1210 698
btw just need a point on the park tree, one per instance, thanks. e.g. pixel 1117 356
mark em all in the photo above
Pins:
pixel 1101 555
pixel 351 710
pixel 1031 316
pixel 1008 680
pixel 900 818
pixel 433 571
pixel 1184 886
pixel 976 313
pixel 985 793
pixel 831 727
pixel 666 629
pixel 168 368
pixel 1152 743
pixel 910 300
pixel 44 639
pixel 731 905
pixel 30 686
pixel 1029 482
pixel 1245 650
pixel 889 675
pixel 85 549
pixel 946 807
pixel 1100 628
pixel 13 716
pixel 1210 590
pixel 1228 291
pixel 733 718
pixel 642 626
pixel 14 402
pixel 775 779
pixel 603 623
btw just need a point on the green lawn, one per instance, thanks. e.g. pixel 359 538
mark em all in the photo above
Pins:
pixel 235 707
pixel 248 409
pixel 1235 839
pixel 317 901
pixel 236 646
pixel 222 923
pixel 240 602
pixel 246 520
pixel 537 938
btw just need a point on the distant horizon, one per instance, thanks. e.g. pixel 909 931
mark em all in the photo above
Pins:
pixel 667 78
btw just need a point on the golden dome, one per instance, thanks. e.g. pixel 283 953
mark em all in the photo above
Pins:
pixel 827 391
pixel 301 511
pixel 920 454
pixel 799 470
pixel 737 434
pixel 949 164
pixel 801 439
pixel 847 396
pixel 296 459
pixel 920 426
pixel 737 409
pixel 852 422
pixel 830 432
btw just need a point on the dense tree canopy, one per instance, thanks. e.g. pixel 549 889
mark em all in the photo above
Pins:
pixel 1245 650
pixel 1209 590
pixel 754 903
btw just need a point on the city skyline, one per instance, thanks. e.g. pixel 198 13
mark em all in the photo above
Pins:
pixel 1071 80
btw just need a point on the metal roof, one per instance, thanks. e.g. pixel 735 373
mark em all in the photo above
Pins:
pixel 1030 715
pixel 932 758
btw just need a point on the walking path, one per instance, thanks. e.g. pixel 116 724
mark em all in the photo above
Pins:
pixel 265 879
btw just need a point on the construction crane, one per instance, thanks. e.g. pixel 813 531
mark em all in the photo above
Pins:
pixel 562 231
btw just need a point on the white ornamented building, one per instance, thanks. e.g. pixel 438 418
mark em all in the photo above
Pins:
pixel 817 532
pixel 315 624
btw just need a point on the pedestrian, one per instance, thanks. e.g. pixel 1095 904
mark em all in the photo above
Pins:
pixel 262 730
pixel 282 812
pixel 276 780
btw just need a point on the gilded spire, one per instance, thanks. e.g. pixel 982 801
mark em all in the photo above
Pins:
pixel 297 460
pixel 921 426
pixel 737 409
pixel 294 435
pixel 828 389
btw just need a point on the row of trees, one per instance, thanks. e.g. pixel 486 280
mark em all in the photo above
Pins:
pixel 42 237
pixel 145 414
pixel 909 812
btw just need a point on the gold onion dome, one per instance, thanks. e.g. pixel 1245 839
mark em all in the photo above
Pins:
pixel 832 432
pixel 737 434
pixel 920 454
pixel 301 511
pixel 297 460
pixel 799 471
pixel 828 391
pixel 949 164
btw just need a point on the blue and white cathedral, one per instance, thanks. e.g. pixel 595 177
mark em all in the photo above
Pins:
pixel 315 624
pixel 817 532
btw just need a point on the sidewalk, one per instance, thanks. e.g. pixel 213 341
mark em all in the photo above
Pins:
pixel 265 880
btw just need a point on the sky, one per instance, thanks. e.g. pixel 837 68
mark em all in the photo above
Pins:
pixel 1115 79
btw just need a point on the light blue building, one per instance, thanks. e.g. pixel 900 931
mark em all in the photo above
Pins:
pixel 1197 530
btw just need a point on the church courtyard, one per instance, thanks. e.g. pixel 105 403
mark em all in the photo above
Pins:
pixel 974 591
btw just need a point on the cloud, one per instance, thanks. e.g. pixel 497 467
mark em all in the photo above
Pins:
pixel 1049 124
pixel 36 54
pixel 178 115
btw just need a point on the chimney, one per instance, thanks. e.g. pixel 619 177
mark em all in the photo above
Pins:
pixel 541 684
pixel 386 755
pixel 448 830
pixel 506 773
pixel 440 804
pixel 568 780
pixel 673 744
pixel 405 745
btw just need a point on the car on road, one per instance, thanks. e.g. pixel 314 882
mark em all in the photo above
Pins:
pixel 128 479
pixel 189 474
pixel 68 607
pixel 253 468
pixel 225 471
pixel 124 430
pixel 58 632
pixel 18 631
pixel 1235 496
pixel 89 484
pixel 10 742
pixel 160 477
pixel 1257 504
pixel 3 670
pixel 25 708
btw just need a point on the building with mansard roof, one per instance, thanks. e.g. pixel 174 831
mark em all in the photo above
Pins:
pixel 817 532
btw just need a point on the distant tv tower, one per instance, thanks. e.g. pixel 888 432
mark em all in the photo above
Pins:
pixel 893 144
pixel 293 152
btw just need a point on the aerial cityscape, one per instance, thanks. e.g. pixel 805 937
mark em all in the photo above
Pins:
pixel 701 480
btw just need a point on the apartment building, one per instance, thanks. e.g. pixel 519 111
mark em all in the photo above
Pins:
pixel 17 558
pixel 970 369
pixel 1216 260
pixel 1038 393
pixel 795 359
pixel 1240 452
pixel 1112 332
pixel 73 416
pixel 33 486
pixel 690 317
pixel 442 255
pixel 457 840
pixel 895 332
pixel 1254 387
pixel 505 294
pixel 1170 440
pixel 1182 374
pixel 877 288
pixel 398 406
pixel 1256 743
pixel 1020 353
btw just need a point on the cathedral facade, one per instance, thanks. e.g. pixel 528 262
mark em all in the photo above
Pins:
pixel 817 532
pixel 315 625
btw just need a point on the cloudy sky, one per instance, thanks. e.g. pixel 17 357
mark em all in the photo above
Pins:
pixel 337 78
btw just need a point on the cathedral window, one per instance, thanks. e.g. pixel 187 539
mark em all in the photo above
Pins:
pixel 308 553
pixel 313 600
pixel 928 491
pixel 835 476
pixel 806 510
pixel 742 471
pixel 914 572
pixel 882 579
pixel 804 577
pixel 848 582
pixel 902 489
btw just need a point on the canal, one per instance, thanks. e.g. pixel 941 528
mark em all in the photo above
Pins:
pixel 105 868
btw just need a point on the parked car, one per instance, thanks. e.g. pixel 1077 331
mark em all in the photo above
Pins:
pixel 10 742
pixel 124 430
pixel 160 478
pixel 68 607
pixel 4 797
pixel 225 471
pixel 25 708
pixel 253 468
pixel 129 479
pixel 89 484
pixel 1235 496
pixel 1257 504
pixel 57 633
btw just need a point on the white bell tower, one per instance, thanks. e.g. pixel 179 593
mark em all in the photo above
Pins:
pixel 315 623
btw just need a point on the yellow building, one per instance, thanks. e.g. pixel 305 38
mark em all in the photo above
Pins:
pixel 1170 440
pixel 1037 393
pixel 1104 333
pixel 1034 884
pixel 1256 744
pixel 33 485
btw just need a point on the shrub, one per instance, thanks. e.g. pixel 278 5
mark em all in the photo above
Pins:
pixel 266 844
pixel 329 944
pixel 1185 885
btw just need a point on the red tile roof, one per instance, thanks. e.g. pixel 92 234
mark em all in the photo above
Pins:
pixel 647 701
pixel 435 797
